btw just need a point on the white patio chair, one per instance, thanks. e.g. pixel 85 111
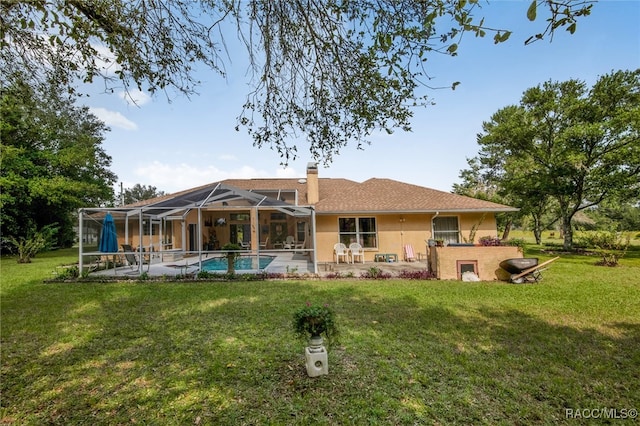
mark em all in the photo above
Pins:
pixel 289 242
pixel 340 250
pixel 355 249
pixel 263 245
pixel 298 247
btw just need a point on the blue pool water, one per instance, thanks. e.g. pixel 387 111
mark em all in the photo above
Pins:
pixel 242 263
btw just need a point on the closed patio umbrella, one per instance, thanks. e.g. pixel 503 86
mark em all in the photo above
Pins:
pixel 108 238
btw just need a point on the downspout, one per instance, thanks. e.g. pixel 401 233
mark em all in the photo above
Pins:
pixel 313 240
pixel 432 227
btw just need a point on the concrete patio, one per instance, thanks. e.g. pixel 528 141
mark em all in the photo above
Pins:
pixel 285 262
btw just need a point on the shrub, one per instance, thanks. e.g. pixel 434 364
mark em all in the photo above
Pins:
pixel 375 273
pixel 610 246
pixel 421 274
pixel 36 242
pixel 490 241
pixel 315 320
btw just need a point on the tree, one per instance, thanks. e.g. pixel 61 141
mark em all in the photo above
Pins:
pixel 140 193
pixel 51 162
pixel 565 148
pixel 332 71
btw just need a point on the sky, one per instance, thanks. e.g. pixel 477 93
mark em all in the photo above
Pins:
pixel 192 141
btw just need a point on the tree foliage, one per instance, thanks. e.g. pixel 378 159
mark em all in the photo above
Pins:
pixel 565 147
pixel 331 71
pixel 51 162
pixel 140 192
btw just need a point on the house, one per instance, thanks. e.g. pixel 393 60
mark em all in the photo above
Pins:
pixel 308 215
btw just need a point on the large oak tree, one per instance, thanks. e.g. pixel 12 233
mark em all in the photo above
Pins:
pixel 330 71
pixel 566 147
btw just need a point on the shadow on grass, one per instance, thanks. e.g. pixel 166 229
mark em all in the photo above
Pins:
pixel 225 354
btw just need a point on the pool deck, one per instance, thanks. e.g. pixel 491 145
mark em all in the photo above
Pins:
pixel 285 262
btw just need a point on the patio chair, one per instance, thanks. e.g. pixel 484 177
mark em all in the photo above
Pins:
pixel 356 250
pixel 340 250
pixel 289 242
pixel 130 256
pixel 409 255
pixel 263 245
pixel 246 245
pixel 299 247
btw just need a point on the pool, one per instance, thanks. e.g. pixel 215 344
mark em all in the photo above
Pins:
pixel 242 263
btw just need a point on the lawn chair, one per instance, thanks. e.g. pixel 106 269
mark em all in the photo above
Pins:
pixel 340 250
pixel 356 251
pixel 409 255
pixel 131 257
pixel 289 242
pixel 263 245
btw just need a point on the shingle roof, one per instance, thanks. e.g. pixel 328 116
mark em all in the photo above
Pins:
pixel 373 195
pixel 347 196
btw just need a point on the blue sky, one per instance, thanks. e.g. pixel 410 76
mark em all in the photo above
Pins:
pixel 190 142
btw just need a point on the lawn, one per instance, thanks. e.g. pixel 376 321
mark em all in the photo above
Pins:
pixel 410 352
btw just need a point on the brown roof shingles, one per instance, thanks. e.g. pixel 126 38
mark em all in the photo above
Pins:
pixel 373 195
pixel 386 195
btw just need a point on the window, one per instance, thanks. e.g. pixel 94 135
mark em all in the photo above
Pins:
pixel 446 228
pixel 358 230
pixel 240 217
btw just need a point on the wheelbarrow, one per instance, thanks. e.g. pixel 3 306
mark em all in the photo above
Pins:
pixel 526 270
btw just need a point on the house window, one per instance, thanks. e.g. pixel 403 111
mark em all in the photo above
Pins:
pixel 240 217
pixel 446 228
pixel 358 230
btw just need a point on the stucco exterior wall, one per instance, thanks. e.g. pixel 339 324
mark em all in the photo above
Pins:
pixel 396 230
pixel 444 260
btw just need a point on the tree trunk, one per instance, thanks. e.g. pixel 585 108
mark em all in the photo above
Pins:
pixel 507 229
pixel 567 232
pixel 231 267
pixel 537 229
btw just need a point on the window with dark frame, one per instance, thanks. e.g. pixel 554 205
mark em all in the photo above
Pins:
pixel 361 230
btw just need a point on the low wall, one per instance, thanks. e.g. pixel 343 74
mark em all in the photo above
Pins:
pixel 444 261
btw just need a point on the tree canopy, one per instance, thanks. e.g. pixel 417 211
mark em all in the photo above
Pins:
pixel 332 71
pixel 565 147
pixel 140 192
pixel 51 162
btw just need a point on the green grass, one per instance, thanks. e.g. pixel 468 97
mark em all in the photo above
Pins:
pixel 410 352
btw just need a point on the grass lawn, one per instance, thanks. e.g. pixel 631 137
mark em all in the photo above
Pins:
pixel 410 352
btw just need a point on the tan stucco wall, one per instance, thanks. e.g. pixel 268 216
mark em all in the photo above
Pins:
pixel 396 230
pixel 444 260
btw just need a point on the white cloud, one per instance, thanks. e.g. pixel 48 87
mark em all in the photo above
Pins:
pixel 134 97
pixel 173 178
pixel 113 118
pixel 106 60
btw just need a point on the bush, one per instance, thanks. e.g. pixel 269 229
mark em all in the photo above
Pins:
pixel 375 274
pixel 610 246
pixel 36 242
pixel 422 274
pixel 315 320
pixel 490 241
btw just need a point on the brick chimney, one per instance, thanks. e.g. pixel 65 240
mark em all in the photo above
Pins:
pixel 313 191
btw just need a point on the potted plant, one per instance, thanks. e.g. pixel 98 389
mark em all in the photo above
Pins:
pixel 231 250
pixel 314 322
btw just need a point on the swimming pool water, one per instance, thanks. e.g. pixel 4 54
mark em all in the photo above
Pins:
pixel 242 263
